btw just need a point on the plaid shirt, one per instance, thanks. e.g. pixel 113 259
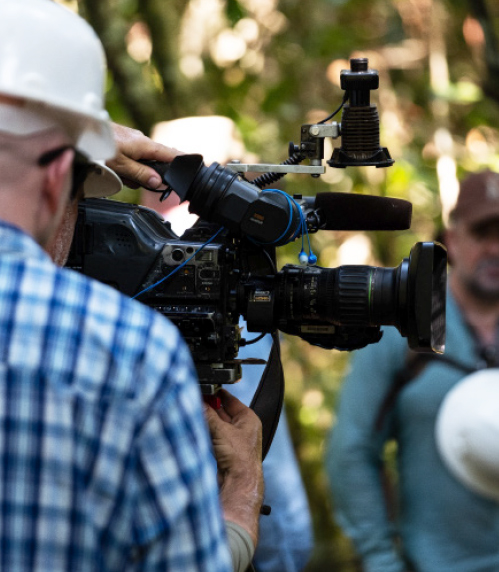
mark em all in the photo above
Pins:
pixel 104 453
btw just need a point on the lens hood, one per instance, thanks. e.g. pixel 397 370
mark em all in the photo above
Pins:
pixel 426 284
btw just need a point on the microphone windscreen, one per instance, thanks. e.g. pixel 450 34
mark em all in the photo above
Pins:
pixel 348 211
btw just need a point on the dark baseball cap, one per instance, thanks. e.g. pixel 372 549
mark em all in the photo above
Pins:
pixel 478 198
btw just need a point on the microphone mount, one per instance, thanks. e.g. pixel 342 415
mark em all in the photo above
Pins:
pixel 359 131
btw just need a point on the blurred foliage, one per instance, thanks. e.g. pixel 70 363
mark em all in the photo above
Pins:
pixel 271 65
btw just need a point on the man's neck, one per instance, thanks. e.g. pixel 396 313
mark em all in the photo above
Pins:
pixel 482 315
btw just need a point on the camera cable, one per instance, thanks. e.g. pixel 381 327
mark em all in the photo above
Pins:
pixel 301 229
pixel 180 266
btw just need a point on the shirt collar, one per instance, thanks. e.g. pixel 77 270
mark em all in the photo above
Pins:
pixel 13 240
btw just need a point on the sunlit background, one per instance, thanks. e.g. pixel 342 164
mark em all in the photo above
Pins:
pixel 270 66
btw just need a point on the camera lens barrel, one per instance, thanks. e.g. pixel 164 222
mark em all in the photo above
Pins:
pixel 410 297
pixel 350 295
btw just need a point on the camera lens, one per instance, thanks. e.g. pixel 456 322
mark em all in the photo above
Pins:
pixel 313 300
pixel 410 297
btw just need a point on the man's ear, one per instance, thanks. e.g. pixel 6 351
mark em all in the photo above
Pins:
pixel 57 182
pixel 54 196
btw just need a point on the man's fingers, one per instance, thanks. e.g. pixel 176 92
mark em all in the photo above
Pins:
pixel 215 417
pixel 136 173
pixel 157 152
pixel 146 176
pixel 233 412
pixel 230 403
pixel 237 411
pixel 133 146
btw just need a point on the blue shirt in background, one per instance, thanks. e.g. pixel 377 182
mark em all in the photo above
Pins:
pixel 443 526
pixel 286 538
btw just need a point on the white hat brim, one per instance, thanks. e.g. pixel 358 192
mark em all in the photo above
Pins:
pixel 101 182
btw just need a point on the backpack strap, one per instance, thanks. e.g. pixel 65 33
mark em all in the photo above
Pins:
pixel 414 365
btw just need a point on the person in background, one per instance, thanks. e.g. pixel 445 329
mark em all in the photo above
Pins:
pixel 434 521
pixel 106 461
pixel 286 537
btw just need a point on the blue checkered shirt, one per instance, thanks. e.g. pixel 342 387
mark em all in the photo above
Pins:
pixel 103 446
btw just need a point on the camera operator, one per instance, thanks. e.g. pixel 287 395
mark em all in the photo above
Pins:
pixel 104 450
pixel 435 522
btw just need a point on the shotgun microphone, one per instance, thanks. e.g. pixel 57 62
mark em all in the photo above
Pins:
pixel 346 211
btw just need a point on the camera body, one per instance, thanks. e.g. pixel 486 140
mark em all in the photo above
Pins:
pixel 130 247
pixel 207 279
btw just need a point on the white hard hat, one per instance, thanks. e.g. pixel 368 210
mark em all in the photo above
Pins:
pixel 467 432
pixel 53 64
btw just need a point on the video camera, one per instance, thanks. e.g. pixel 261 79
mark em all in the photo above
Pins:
pixel 224 267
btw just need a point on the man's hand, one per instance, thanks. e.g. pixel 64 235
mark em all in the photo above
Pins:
pixel 236 433
pixel 132 146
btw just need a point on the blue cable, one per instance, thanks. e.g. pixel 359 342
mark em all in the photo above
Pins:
pixel 181 265
pixel 290 203
pixel 311 258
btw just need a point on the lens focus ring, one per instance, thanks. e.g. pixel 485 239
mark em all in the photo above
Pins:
pixel 354 287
